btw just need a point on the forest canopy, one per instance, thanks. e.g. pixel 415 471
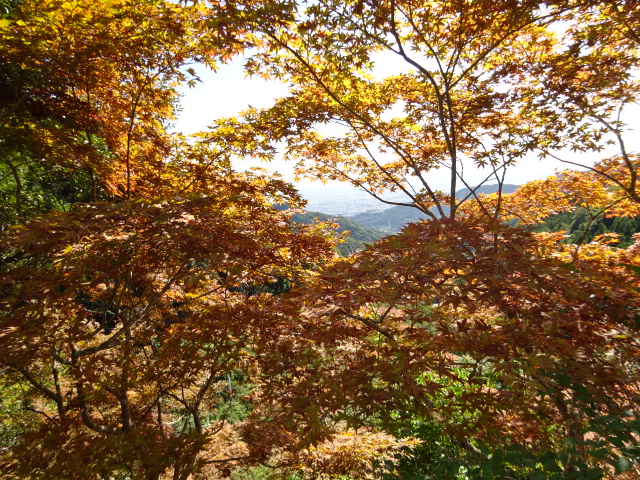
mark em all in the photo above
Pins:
pixel 163 316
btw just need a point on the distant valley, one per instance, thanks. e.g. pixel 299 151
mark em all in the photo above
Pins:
pixel 368 226
pixel 391 220
pixel 348 201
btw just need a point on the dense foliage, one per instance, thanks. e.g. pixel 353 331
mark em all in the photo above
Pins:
pixel 161 317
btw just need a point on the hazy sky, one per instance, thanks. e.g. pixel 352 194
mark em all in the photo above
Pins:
pixel 228 91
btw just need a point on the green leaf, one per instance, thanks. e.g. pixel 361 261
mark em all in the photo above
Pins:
pixel 600 453
pixel 595 473
pixel 622 464
pixel 551 465
pixel 487 471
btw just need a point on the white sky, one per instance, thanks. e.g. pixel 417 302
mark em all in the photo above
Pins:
pixel 228 91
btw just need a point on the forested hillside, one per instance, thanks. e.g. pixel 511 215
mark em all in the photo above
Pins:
pixel 164 315
pixel 353 236
pixel 389 220
pixel 583 226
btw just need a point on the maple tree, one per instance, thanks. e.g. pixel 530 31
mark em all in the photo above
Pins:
pixel 542 343
pixel 487 85
pixel 477 83
pixel 149 291
pixel 126 317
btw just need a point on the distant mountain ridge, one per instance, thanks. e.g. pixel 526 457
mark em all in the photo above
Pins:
pixel 367 227
pixel 391 220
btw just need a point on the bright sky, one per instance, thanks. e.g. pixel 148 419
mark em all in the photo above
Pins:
pixel 228 91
